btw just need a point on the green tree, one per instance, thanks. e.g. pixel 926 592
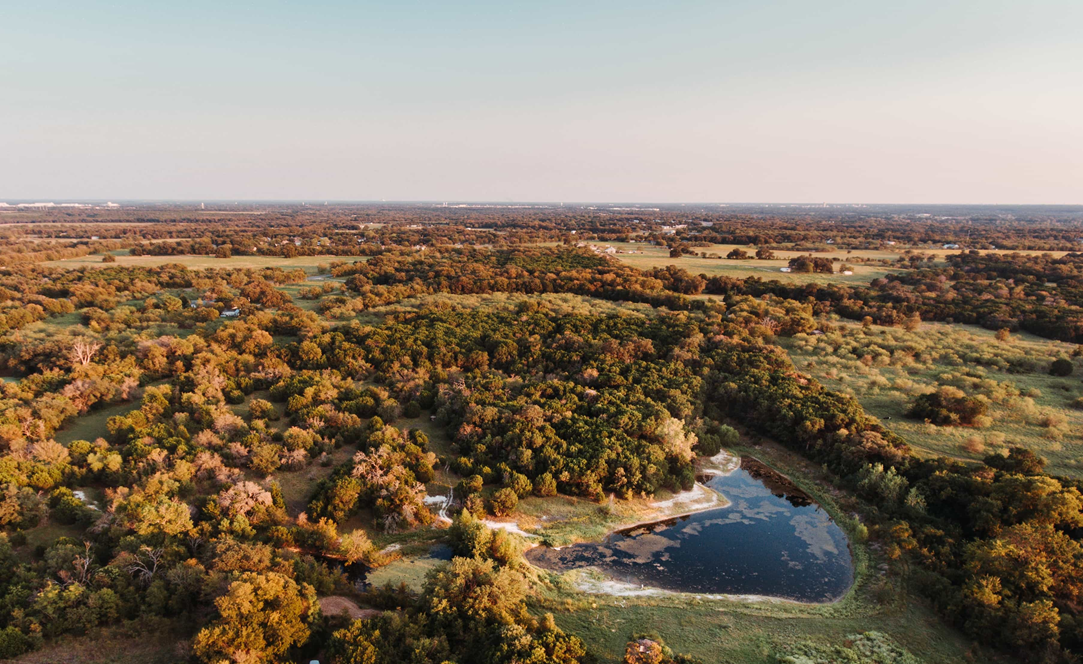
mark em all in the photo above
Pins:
pixel 503 502
pixel 259 619
pixel 1061 367
pixel 468 536
pixel 389 638
pixel 469 594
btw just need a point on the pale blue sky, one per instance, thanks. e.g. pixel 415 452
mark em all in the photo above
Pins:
pixel 791 101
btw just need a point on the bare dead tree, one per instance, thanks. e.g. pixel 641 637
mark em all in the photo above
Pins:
pixel 81 566
pixel 144 570
pixel 32 428
pixel 195 543
pixel 83 350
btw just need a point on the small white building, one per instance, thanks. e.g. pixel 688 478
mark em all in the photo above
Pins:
pixel 230 313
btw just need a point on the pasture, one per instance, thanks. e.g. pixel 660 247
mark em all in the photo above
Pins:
pixel 648 257
pixel 885 368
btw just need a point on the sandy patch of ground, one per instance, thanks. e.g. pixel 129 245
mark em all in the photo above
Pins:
pixel 510 526
pixel 441 503
pixel 696 499
pixel 81 495
pixel 722 463
pixel 700 497
pixel 639 512
pixel 334 605
pixel 592 582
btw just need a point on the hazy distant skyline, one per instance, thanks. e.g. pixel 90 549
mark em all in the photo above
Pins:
pixel 857 102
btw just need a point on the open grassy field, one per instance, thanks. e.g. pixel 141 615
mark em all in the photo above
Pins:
pixel 410 570
pixel 60 323
pixel 45 533
pixel 294 291
pixel 297 486
pixel 93 424
pixel 735 632
pixel 885 368
pixel 439 441
pixel 890 254
pixel 309 263
pixel 783 254
pixel 650 257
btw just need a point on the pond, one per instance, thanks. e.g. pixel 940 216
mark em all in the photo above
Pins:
pixel 771 540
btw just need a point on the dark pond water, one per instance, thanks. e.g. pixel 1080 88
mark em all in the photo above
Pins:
pixel 771 540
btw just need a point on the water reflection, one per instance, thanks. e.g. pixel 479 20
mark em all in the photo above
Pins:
pixel 773 540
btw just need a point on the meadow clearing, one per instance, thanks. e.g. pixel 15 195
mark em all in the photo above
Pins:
pixel 648 257
pixel 885 368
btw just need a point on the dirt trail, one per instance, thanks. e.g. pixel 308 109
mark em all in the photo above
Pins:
pixel 334 605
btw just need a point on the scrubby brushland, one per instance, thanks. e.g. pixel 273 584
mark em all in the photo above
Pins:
pixel 237 438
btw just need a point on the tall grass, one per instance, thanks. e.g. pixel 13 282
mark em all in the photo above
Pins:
pixel 885 368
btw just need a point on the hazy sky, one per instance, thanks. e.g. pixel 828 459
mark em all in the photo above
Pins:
pixel 669 100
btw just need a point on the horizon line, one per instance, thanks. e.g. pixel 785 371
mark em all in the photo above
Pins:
pixel 320 202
